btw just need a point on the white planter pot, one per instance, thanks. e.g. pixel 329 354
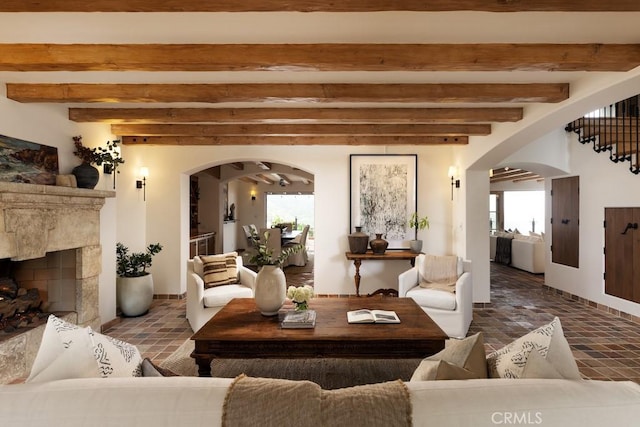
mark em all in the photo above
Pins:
pixel 134 294
pixel 271 290
pixel 415 246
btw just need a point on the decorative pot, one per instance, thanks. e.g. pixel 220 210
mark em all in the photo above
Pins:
pixel 271 290
pixel 134 294
pixel 358 241
pixel 86 175
pixel 378 245
pixel 415 246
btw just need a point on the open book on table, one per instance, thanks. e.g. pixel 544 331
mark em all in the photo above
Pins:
pixel 372 316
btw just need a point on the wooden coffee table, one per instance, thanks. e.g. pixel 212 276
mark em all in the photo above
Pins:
pixel 240 331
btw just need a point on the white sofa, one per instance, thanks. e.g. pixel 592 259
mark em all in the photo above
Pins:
pixel 527 253
pixel 192 401
pixel 203 304
pixel 453 312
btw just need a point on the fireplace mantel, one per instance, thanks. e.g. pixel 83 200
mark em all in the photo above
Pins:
pixel 36 219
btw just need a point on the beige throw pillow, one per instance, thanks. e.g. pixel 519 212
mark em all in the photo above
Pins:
pixel 460 360
pixel 439 272
pixel 543 353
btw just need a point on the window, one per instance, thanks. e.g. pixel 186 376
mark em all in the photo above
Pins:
pixel 524 210
pixel 297 209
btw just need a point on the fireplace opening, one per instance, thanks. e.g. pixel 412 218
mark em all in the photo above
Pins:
pixel 30 290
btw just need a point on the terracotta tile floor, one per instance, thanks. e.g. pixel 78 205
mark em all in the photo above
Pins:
pixel 605 346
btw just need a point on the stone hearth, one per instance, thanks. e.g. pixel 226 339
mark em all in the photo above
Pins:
pixel 39 219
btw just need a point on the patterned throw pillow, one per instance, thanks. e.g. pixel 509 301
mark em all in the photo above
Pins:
pixel 220 269
pixel 115 358
pixel 70 351
pixel 65 352
pixel 543 353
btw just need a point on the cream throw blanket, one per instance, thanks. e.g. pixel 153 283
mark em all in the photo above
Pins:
pixel 439 272
pixel 282 403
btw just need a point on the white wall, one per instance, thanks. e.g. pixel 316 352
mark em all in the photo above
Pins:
pixel 49 125
pixel 170 166
pixel 602 184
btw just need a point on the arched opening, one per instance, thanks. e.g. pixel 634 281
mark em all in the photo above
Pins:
pixel 228 197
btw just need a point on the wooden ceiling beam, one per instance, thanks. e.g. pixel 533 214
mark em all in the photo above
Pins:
pixel 295 140
pixel 319 57
pixel 248 180
pixel 265 179
pixel 264 165
pixel 284 180
pixel 295 115
pixel 282 92
pixel 316 6
pixel 301 129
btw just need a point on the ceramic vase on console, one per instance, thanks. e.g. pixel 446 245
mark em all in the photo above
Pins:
pixel 271 290
pixel 358 241
pixel 378 245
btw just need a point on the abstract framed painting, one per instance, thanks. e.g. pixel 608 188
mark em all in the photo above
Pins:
pixel 384 191
pixel 27 162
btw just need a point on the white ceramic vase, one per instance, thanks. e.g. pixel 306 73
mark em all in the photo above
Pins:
pixel 134 294
pixel 271 290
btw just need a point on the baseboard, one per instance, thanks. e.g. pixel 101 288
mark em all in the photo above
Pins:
pixel 110 324
pixel 170 296
pixel 592 304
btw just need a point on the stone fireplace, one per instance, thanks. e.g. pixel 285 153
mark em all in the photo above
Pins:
pixel 46 224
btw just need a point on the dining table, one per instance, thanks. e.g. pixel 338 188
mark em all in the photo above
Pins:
pixel 288 236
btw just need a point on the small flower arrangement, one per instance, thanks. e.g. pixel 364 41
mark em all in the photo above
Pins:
pixel 300 296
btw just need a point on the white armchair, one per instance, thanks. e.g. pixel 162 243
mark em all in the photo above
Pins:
pixel 453 312
pixel 203 304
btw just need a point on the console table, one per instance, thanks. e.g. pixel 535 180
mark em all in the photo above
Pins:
pixel 388 255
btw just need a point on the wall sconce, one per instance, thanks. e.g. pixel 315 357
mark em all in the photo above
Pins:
pixel 144 172
pixel 453 171
pixel 253 195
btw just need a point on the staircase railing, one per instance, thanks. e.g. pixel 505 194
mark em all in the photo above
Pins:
pixel 614 129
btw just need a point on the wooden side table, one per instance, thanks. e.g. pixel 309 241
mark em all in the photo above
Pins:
pixel 388 255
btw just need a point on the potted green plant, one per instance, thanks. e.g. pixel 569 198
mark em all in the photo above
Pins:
pixel 417 223
pixel 134 285
pixel 270 286
pixel 108 157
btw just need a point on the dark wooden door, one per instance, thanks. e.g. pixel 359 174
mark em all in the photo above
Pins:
pixel 622 253
pixel 565 221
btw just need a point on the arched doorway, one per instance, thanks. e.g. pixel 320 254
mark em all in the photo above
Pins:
pixel 226 197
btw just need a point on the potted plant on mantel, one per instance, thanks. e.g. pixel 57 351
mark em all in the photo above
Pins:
pixel 109 158
pixel 271 285
pixel 417 223
pixel 134 285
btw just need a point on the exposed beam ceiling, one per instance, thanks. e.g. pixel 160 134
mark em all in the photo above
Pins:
pixel 393 77
pixel 282 92
pixel 295 115
pixel 301 129
pixel 313 5
pixel 513 174
pixel 297 140
pixel 319 57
